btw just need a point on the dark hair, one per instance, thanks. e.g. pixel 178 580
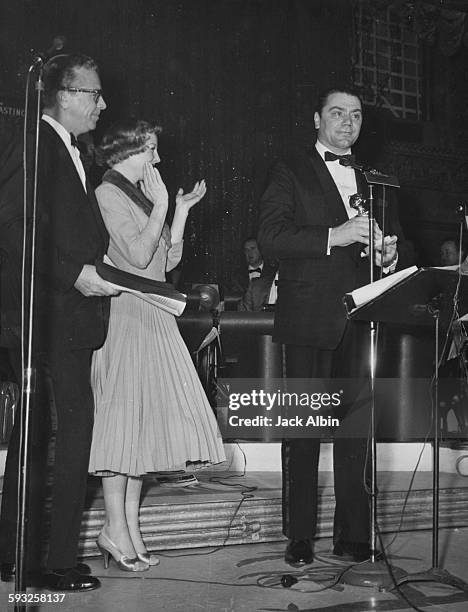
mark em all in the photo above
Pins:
pixel 124 139
pixel 250 239
pixel 324 95
pixel 60 71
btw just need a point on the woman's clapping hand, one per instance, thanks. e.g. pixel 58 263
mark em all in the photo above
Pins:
pixel 190 199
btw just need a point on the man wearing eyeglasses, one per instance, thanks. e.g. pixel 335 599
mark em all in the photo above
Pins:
pixel 70 317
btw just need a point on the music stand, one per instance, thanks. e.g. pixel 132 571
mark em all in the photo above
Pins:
pixel 423 298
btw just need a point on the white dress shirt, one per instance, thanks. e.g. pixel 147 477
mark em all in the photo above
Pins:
pixel 273 296
pixel 255 274
pixel 74 152
pixel 343 176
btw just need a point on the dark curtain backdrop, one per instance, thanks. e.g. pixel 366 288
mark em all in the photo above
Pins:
pixel 232 82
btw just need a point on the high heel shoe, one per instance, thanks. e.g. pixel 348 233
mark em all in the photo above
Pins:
pixel 124 562
pixel 147 558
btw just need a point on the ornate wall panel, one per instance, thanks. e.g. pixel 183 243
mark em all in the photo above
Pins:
pixel 433 183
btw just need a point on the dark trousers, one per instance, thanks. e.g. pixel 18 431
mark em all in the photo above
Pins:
pixel 61 428
pixel 300 456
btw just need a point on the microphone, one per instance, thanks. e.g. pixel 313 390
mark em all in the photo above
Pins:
pixel 57 45
pixel 461 214
pixel 461 211
pixel 371 175
pixel 348 163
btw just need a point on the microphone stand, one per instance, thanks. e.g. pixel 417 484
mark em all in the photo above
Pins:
pixel 27 308
pixel 372 573
pixel 377 573
pixel 435 573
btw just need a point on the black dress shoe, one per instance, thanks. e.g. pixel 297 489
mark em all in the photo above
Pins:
pixel 8 572
pixel 299 552
pixel 69 580
pixel 353 551
pixel 83 568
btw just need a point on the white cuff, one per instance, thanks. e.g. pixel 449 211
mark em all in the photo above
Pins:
pixel 392 266
pixel 328 241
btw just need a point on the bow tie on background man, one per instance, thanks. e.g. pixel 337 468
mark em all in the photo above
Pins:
pixel 329 156
pixel 256 270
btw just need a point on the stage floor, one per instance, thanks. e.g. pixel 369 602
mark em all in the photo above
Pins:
pixel 245 578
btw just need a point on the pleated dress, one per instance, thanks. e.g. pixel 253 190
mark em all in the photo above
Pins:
pixel 151 412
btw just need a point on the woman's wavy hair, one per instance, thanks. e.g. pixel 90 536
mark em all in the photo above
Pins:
pixel 124 139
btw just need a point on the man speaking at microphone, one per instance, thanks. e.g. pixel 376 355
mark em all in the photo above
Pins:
pixel 70 320
pixel 320 241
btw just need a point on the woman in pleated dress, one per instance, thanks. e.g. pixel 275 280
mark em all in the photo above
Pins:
pixel 151 413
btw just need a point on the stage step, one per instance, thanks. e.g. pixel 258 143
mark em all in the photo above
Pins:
pixel 212 514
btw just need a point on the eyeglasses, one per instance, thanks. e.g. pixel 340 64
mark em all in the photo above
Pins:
pixel 97 93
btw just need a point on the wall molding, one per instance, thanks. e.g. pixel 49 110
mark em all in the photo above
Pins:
pixel 426 167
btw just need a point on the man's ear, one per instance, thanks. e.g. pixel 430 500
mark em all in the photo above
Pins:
pixel 316 120
pixel 62 98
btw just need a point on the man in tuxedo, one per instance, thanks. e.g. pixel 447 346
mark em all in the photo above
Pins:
pixel 69 321
pixel 307 223
pixel 260 294
pixel 256 267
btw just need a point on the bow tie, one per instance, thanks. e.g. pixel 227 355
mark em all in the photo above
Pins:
pixel 252 270
pixel 81 146
pixel 329 156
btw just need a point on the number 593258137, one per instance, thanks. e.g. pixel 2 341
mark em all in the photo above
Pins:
pixel 36 597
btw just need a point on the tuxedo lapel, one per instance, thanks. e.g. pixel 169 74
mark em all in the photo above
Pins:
pixel 81 197
pixel 333 199
pixel 67 165
pixel 330 191
pixel 96 212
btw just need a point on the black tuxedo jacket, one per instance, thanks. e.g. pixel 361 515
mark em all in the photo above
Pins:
pixel 241 278
pixel 297 209
pixel 70 234
pixel 258 292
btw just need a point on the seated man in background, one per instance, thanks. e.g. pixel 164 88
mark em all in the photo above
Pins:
pixel 260 295
pixel 256 267
pixel 449 253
